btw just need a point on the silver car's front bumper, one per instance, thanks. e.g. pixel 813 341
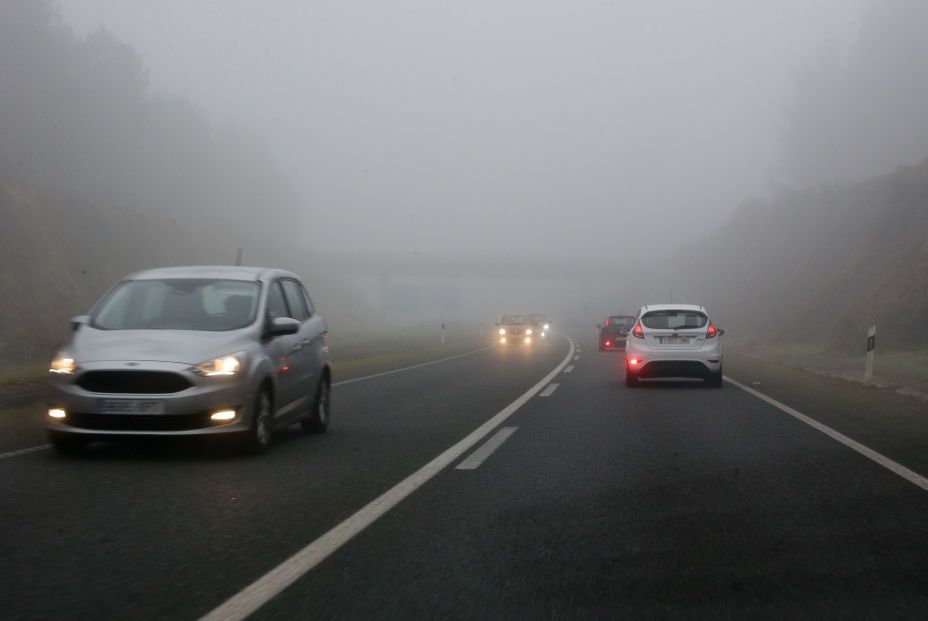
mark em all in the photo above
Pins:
pixel 182 413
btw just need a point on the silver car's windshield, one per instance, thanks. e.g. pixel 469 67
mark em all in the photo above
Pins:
pixel 179 304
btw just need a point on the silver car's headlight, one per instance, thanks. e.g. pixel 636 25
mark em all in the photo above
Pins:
pixel 224 365
pixel 63 363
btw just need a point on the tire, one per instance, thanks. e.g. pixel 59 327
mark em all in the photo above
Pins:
pixel 714 380
pixel 631 379
pixel 318 419
pixel 66 443
pixel 260 434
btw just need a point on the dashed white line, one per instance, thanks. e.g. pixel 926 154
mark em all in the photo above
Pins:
pixel 255 595
pixel 25 451
pixel 486 449
pixel 576 357
pixel 869 453
pixel 547 392
pixel 569 369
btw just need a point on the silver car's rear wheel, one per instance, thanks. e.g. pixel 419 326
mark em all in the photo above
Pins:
pixel 260 434
pixel 318 419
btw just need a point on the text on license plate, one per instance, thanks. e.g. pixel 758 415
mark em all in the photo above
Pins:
pixel 130 406
pixel 675 340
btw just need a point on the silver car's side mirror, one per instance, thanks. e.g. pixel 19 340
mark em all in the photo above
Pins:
pixel 280 326
pixel 78 321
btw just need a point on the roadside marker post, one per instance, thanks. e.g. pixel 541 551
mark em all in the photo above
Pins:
pixel 871 350
pixel 443 333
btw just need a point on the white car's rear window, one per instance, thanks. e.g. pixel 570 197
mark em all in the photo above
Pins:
pixel 674 320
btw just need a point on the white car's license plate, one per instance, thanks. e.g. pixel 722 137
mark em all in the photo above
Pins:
pixel 675 340
pixel 130 406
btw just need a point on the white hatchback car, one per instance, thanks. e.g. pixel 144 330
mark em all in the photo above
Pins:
pixel 673 340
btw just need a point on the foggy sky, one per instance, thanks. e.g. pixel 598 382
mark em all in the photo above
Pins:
pixel 490 127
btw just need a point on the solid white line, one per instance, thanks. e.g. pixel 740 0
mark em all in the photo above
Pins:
pixel 569 369
pixel 415 366
pixel 252 597
pixel 886 462
pixel 25 451
pixel 486 449
pixel 549 390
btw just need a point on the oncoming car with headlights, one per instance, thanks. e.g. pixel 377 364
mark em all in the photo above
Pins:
pixel 212 351
pixel 541 325
pixel 673 340
pixel 515 330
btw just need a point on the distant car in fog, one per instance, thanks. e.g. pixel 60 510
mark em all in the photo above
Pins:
pixel 188 351
pixel 542 325
pixel 515 330
pixel 674 340
pixel 613 332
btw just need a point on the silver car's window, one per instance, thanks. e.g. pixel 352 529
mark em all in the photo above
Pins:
pixel 179 304
pixel 276 305
pixel 295 299
pixel 674 320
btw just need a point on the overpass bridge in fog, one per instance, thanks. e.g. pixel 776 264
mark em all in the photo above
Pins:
pixel 419 287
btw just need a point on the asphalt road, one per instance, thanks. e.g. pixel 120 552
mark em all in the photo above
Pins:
pixel 590 500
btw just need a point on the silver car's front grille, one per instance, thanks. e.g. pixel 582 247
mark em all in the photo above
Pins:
pixel 133 382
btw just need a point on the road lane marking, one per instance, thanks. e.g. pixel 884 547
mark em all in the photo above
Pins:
pixel 486 449
pixel 25 451
pixel 260 591
pixel 576 357
pixel 569 369
pixel 415 366
pixel 549 390
pixel 886 462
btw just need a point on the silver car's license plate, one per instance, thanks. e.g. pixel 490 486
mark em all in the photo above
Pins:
pixel 130 406
pixel 675 340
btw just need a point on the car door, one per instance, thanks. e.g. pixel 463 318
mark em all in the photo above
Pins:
pixel 307 376
pixel 283 352
pixel 316 331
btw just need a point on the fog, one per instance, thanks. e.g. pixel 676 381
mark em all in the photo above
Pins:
pixel 545 154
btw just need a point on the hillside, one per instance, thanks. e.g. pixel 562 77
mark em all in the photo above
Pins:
pixel 821 265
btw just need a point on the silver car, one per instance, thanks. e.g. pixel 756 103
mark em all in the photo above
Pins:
pixel 193 351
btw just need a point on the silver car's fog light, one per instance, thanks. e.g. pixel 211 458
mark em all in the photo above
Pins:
pixel 57 413
pixel 223 415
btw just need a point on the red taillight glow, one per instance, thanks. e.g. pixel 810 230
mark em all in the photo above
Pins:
pixel 633 362
pixel 637 331
pixel 712 331
pixel 608 343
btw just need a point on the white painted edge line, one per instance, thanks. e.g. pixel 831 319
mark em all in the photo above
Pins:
pixel 886 462
pixel 262 590
pixel 31 449
pixel 569 368
pixel 486 449
pixel 547 392
pixel 409 368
